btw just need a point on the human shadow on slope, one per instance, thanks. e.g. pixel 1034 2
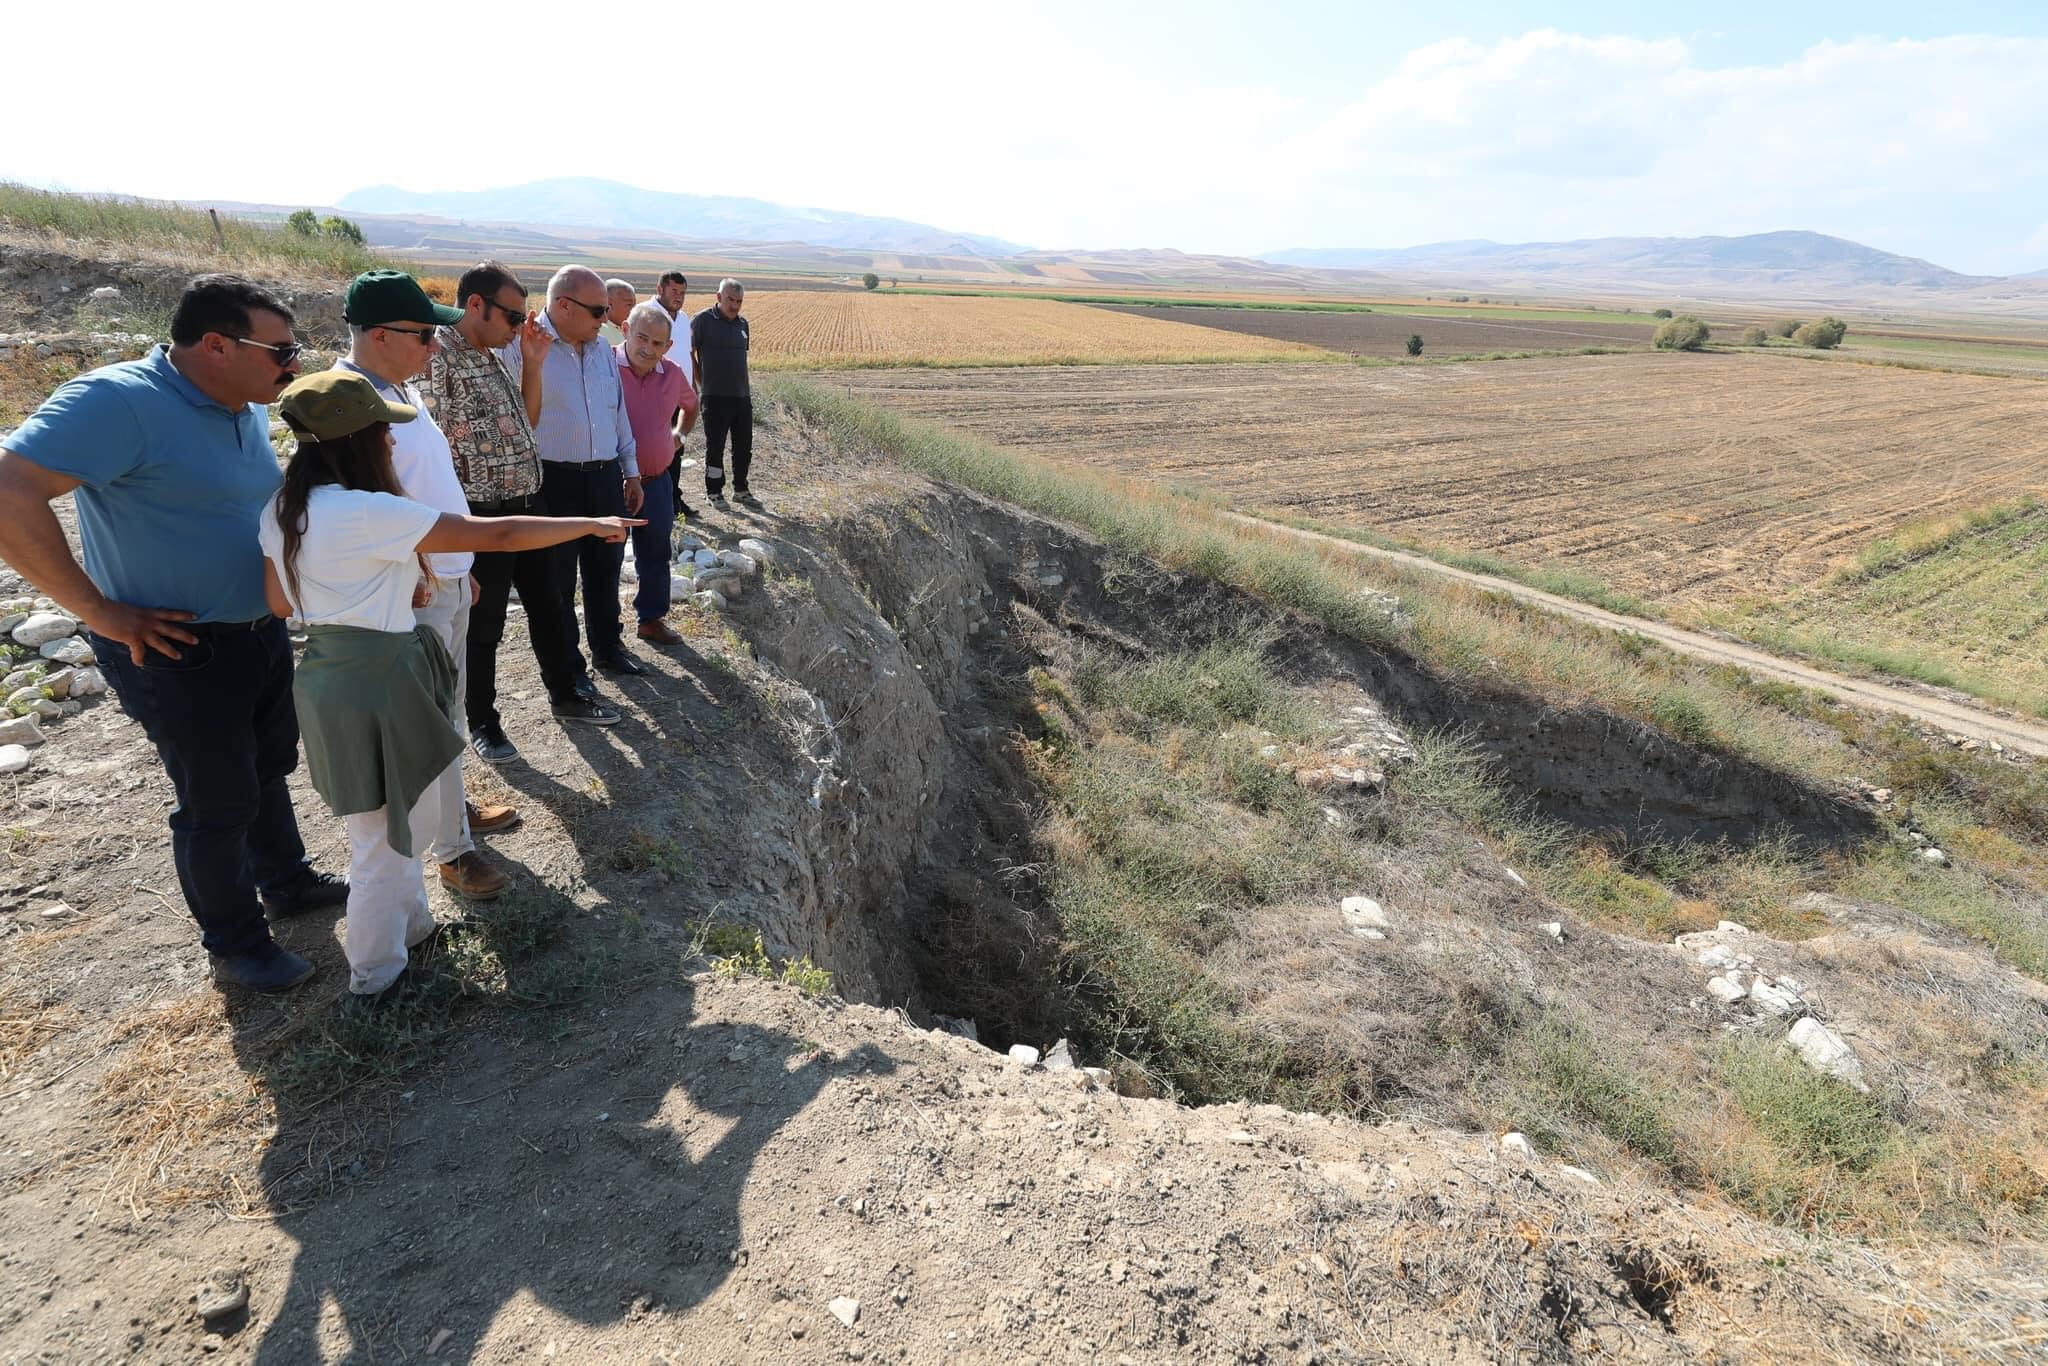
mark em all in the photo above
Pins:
pixel 598 1172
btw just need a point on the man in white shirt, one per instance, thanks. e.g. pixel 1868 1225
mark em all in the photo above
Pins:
pixel 391 327
pixel 671 293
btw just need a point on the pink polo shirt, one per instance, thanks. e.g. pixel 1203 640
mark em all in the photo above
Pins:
pixel 650 404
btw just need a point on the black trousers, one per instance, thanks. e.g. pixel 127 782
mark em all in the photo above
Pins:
pixel 592 490
pixel 724 417
pixel 553 633
pixel 222 720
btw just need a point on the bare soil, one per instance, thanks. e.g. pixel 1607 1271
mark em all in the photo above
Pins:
pixel 1683 478
pixel 1386 333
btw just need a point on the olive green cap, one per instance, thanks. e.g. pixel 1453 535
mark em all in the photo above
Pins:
pixel 336 403
pixel 377 297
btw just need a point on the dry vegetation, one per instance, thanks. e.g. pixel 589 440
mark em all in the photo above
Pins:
pixel 817 329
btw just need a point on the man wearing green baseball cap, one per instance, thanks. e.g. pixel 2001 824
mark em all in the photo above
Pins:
pixel 392 325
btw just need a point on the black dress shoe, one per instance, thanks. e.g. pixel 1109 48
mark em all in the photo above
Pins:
pixel 621 663
pixel 314 891
pixel 586 689
pixel 268 969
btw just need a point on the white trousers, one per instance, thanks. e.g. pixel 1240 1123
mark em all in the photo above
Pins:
pixel 445 837
pixel 387 901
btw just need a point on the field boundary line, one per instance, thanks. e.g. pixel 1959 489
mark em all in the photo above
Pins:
pixel 1958 717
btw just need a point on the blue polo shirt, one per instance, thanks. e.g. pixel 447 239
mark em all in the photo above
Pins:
pixel 170 485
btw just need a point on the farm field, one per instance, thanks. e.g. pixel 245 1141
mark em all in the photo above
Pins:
pixel 1386 334
pixel 796 329
pixel 1686 480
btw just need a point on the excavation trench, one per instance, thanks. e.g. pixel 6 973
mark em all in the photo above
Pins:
pixel 901 636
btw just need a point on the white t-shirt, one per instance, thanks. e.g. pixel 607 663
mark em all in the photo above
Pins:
pixel 425 466
pixel 679 344
pixel 356 562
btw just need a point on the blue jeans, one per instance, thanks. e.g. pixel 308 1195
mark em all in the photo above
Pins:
pixel 221 718
pixel 651 548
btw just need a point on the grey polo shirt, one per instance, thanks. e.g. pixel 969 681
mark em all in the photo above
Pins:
pixel 722 353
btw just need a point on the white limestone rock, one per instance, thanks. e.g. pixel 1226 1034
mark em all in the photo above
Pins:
pixel 67 650
pixel 13 758
pixel 1717 956
pixel 759 550
pixel 1518 1144
pixel 1825 1052
pixel 1024 1053
pixel 26 731
pixel 710 602
pixel 1773 999
pixel 86 682
pixel 735 559
pixel 1726 990
pixel 1362 913
pixel 42 628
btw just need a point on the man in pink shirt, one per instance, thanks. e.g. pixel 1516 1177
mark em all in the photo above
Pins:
pixel 654 387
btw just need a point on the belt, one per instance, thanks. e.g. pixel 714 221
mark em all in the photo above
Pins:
pixel 582 464
pixel 504 506
pixel 225 628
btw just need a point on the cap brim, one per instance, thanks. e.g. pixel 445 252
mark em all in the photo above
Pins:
pixel 399 412
pixel 446 315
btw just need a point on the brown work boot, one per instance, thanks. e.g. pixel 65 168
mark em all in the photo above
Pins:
pixel 489 820
pixel 660 632
pixel 473 877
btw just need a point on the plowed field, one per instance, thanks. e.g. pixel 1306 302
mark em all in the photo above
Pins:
pixel 802 330
pixel 1684 478
pixel 1386 334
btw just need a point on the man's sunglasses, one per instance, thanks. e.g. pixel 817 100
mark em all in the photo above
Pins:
pixel 421 335
pixel 594 310
pixel 515 316
pixel 286 352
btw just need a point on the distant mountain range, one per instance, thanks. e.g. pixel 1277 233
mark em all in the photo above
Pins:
pixel 1765 260
pixel 589 203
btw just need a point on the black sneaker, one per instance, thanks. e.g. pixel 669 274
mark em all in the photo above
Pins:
pixel 269 969
pixel 586 689
pixel 684 510
pixel 584 710
pixel 491 746
pixel 314 891
pixel 621 663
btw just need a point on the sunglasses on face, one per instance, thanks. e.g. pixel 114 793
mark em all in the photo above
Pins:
pixel 420 335
pixel 594 310
pixel 286 352
pixel 515 316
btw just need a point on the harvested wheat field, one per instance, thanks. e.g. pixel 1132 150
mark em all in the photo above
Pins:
pixel 1682 478
pixel 796 330
pixel 1385 334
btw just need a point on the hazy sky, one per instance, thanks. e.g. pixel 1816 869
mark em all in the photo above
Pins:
pixel 1220 127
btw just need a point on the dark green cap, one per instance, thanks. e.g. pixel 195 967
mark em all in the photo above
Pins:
pixel 332 404
pixel 377 297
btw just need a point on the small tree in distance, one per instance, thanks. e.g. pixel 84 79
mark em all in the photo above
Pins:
pixel 1414 343
pixel 1785 327
pixel 1682 333
pixel 305 223
pixel 341 230
pixel 1660 312
pixel 1822 334
pixel 871 281
pixel 1755 336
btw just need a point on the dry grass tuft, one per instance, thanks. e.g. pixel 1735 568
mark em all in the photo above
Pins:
pixel 26 1026
pixel 185 1122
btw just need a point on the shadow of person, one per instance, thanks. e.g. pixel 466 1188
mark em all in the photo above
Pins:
pixel 591 1164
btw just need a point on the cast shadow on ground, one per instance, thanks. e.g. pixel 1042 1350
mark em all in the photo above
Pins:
pixel 573 1140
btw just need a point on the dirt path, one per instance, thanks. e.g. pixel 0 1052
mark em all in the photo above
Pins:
pixel 1960 718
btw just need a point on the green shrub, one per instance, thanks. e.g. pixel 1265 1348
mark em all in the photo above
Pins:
pixel 1660 312
pixel 1683 333
pixel 1785 327
pixel 871 281
pixel 1810 1117
pixel 1414 343
pixel 1823 334
pixel 1755 336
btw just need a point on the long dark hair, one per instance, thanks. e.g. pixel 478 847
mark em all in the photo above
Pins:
pixel 361 461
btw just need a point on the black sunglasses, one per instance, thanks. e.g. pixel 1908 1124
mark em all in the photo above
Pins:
pixel 420 335
pixel 594 310
pixel 512 315
pixel 286 352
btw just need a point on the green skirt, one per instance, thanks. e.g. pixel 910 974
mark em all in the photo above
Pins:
pixel 377 715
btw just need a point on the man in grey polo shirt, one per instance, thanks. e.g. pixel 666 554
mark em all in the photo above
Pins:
pixel 588 465
pixel 170 461
pixel 718 339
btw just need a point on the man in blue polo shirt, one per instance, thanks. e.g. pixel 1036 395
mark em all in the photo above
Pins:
pixel 170 459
